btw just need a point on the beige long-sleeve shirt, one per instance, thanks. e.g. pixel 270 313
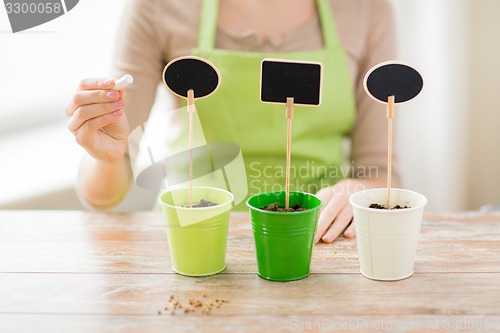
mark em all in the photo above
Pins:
pixel 155 31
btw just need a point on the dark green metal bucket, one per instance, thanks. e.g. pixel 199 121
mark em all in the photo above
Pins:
pixel 284 241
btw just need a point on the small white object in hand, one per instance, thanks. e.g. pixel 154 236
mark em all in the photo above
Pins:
pixel 124 81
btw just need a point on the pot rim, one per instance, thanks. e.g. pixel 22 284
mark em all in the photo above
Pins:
pixel 281 213
pixel 388 211
pixel 218 206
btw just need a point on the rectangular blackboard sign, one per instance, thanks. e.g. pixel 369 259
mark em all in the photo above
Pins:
pixel 298 79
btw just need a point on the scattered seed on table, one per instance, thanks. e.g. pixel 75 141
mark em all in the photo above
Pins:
pixel 193 305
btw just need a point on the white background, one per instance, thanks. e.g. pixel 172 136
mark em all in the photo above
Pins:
pixel 39 70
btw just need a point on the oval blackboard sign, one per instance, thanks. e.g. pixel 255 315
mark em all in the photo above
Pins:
pixel 185 73
pixel 393 79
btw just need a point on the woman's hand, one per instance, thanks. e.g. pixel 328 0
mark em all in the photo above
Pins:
pixel 336 212
pixel 97 120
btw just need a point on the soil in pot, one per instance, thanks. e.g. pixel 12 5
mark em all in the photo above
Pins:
pixel 378 206
pixel 203 203
pixel 275 208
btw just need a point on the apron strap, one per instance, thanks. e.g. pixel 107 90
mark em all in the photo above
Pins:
pixel 210 10
pixel 328 27
pixel 208 24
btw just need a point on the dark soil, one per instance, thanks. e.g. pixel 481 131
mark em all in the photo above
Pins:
pixel 204 203
pixel 274 208
pixel 377 206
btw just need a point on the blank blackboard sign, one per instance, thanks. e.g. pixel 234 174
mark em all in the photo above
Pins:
pixel 281 79
pixel 393 79
pixel 191 73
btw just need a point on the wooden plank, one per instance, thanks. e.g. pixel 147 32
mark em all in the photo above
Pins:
pixel 116 277
pixel 23 323
pixel 467 216
pixel 153 257
pixel 136 243
pixel 247 294
pixel 146 226
pixel 80 226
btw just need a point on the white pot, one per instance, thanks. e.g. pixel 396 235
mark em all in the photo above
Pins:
pixel 387 239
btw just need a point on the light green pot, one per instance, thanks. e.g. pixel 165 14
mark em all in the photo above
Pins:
pixel 197 237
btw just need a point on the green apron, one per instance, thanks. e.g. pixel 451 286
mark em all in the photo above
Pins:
pixel 234 113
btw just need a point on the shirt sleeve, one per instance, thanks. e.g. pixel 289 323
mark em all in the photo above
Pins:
pixel 139 53
pixel 369 135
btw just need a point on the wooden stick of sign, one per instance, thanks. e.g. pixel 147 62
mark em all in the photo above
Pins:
pixel 289 117
pixel 291 83
pixel 190 109
pixel 392 82
pixel 191 78
pixel 390 115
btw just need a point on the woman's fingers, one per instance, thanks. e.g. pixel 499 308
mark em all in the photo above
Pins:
pixel 89 97
pixel 336 214
pixel 92 91
pixel 97 120
pixel 341 222
pixel 87 112
pixel 327 216
pixel 96 83
pixel 350 232
pixel 325 195
pixel 84 135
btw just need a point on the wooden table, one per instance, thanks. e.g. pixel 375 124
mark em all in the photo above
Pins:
pixel 97 272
